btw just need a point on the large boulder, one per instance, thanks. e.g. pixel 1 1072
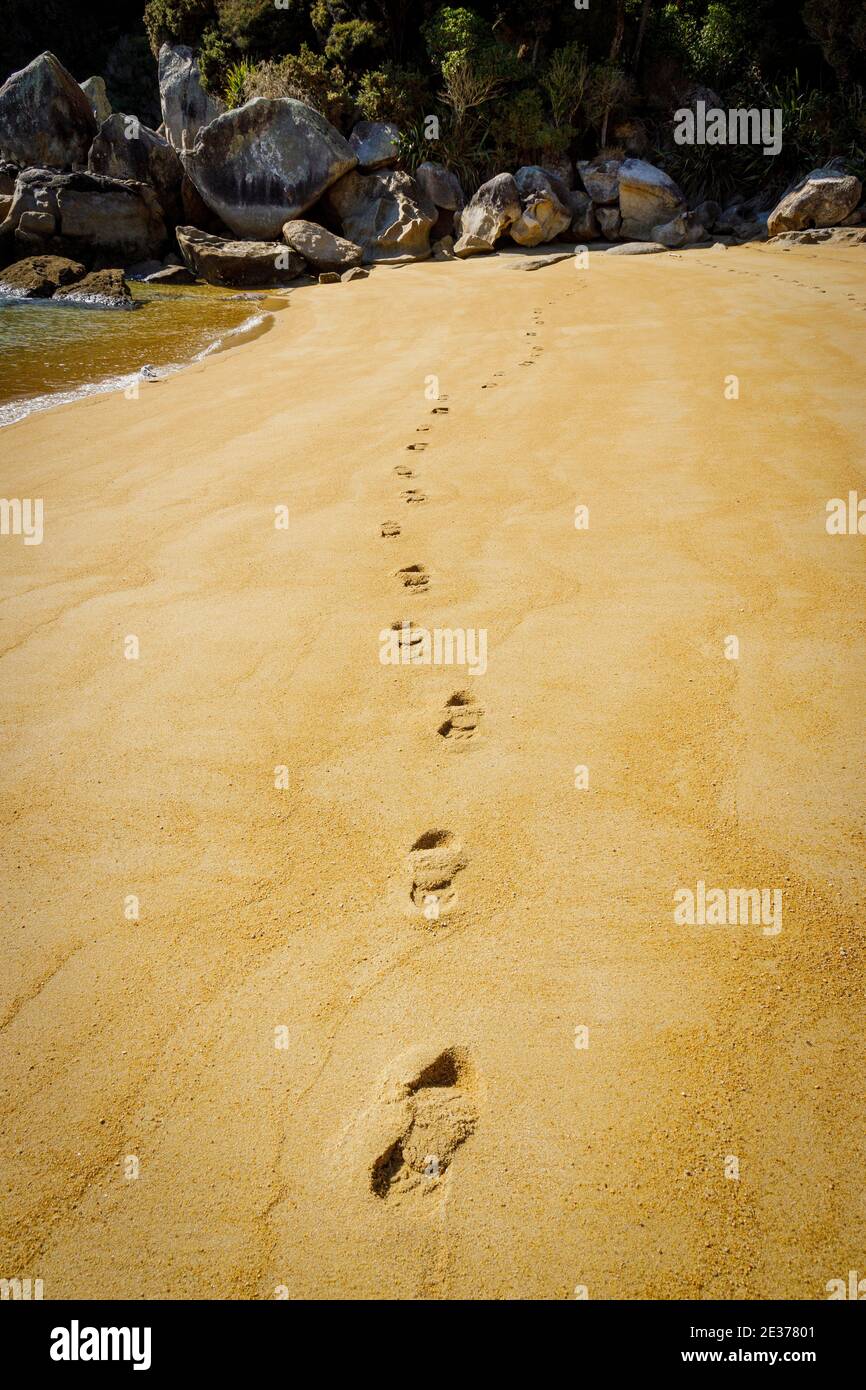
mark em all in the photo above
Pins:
pixel 93 215
pixel 45 117
pixel 320 248
pixel 375 144
pixel 493 208
pixel 185 104
pixel 648 197
pixel 38 277
pixel 94 89
pixel 386 214
pixel 532 179
pixel 440 185
pixel 546 212
pixel 542 219
pixel 266 163
pixel 101 289
pixel 600 178
pixel 124 149
pixel 247 264
pixel 823 198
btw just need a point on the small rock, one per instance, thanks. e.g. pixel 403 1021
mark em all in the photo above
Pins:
pixel 356 272
pixel 99 289
pixel 329 277
pixel 38 277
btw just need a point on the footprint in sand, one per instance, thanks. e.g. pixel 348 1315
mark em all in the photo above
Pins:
pixel 410 641
pixel 435 859
pixel 404 472
pixel 431 1113
pixel 439 410
pixel 462 715
pixel 419 445
pixel 390 528
pixel 528 363
pixel 414 494
pixel 413 577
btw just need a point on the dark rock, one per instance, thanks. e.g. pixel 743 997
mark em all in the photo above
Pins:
pixel 443 250
pixel 99 289
pixel 329 277
pixel 94 214
pixel 584 223
pixel 265 163
pixel 45 117
pixel 356 272
pixel 609 222
pixel 250 264
pixel 600 178
pixel 708 214
pixel 375 144
pixel 125 149
pixel 38 277
pixel 440 186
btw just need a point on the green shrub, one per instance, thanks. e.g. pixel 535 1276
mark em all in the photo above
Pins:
pixel 177 21
pixel 393 93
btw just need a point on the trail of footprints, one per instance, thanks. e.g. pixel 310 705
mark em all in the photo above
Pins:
pixel 431 1111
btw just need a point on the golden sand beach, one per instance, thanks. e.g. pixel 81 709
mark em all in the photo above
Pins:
pixel 316 985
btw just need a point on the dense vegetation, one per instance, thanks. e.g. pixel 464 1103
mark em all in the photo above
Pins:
pixel 509 83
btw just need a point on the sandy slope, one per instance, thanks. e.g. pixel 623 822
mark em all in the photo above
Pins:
pixel 260 908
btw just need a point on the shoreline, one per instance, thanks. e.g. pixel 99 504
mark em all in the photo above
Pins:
pixel 255 325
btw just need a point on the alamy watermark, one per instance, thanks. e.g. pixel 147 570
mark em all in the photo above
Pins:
pixel 740 126
pixel 404 644
pixel 729 907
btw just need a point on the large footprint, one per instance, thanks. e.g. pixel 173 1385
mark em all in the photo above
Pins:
pixel 435 859
pixel 462 713
pixel 427 1106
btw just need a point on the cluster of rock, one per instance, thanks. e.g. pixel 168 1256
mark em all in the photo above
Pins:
pixel 262 194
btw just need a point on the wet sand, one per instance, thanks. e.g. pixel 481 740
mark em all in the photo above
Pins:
pixel 349 1068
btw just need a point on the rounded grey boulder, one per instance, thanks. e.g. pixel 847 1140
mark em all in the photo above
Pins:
pixel 322 249
pixel 265 163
